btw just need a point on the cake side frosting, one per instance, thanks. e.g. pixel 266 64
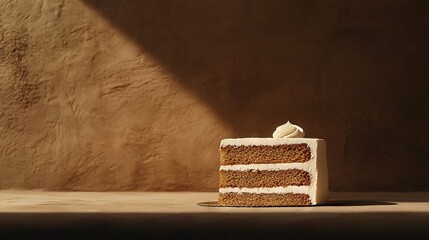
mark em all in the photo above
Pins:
pixel 322 187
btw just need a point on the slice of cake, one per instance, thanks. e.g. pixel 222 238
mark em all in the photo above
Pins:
pixel 286 170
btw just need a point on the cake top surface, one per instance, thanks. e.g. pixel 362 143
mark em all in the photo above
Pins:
pixel 267 141
pixel 287 133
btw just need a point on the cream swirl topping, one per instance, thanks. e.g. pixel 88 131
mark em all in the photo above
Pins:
pixel 289 130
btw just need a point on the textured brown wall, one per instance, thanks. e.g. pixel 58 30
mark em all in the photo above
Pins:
pixel 125 95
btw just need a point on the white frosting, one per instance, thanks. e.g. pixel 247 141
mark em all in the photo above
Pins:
pixel 306 166
pixel 316 166
pixel 266 141
pixel 267 190
pixel 289 130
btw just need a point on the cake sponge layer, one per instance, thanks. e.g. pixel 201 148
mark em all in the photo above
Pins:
pixel 250 199
pixel 286 153
pixel 255 179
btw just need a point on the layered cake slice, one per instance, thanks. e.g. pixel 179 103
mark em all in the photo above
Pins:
pixel 286 170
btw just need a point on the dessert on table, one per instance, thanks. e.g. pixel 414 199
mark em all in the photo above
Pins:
pixel 285 170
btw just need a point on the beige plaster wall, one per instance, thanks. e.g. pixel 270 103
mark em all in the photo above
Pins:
pixel 136 95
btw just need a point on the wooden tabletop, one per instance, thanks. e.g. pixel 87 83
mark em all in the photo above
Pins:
pixel 172 214
pixel 186 202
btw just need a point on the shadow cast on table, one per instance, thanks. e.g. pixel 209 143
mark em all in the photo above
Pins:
pixel 376 198
pixel 350 203
pixel 336 203
pixel 343 225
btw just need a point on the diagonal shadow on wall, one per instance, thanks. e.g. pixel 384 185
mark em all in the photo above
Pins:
pixel 340 69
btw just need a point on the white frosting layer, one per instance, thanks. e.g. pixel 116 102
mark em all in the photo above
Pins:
pixel 289 130
pixel 266 141
pixel 306 166
pixel 262 190
pixel 316 166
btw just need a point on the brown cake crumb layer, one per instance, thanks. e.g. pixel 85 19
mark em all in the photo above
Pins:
pixel 252 179
pixel 287 153
pixel 251 199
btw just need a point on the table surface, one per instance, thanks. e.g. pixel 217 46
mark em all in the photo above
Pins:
pixel 172 214
pixel 186 202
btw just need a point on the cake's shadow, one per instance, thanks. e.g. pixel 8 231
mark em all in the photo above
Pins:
pixel 334 203
pixel 348 203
